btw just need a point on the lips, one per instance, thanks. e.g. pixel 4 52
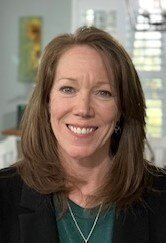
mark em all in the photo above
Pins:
pixel 82 126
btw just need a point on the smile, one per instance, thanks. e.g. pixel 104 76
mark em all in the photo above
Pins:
pixel 78 130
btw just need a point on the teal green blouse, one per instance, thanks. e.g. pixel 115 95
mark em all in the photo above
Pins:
pixel 103 231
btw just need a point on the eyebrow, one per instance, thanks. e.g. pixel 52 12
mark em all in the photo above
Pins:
pixel 75 80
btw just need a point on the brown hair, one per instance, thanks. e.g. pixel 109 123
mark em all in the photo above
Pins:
pixel 40 167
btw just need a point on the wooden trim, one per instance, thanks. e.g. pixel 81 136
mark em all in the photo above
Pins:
pixel 12 131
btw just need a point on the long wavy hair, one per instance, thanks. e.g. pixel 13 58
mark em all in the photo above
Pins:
pixel 40 167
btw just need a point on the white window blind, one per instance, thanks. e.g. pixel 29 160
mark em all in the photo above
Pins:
pixel 149 57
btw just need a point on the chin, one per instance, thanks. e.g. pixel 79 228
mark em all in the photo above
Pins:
pixel 79 154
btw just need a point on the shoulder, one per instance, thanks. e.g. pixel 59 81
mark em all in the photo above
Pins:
pixel 155 203
pixel 155 193
pixel 9 176
pixel 157 177
pixel 10 184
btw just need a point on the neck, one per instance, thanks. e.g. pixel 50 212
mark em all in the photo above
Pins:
pixel 93 178
pixel 89 173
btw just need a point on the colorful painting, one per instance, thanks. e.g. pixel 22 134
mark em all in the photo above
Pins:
pixel 29 48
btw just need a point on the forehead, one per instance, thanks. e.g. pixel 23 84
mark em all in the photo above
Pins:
pixel 83 59
pixel 78 50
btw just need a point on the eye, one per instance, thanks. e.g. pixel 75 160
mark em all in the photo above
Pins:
pixel 104 93
pixel 67 90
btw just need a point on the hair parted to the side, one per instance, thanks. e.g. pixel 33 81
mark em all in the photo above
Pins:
pixel 40 167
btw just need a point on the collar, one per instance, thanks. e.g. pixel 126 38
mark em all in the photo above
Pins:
pixel 37 220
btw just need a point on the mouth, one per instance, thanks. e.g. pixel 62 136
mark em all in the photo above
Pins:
pixel 81 130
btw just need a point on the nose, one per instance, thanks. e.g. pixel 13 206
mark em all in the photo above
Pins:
pixel 83 106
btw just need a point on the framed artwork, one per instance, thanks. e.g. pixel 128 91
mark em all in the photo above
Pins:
pixel 30 29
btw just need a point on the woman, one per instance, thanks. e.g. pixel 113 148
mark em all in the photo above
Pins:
pixel 83 176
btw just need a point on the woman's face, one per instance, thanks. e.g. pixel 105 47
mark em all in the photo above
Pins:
pixel 83 105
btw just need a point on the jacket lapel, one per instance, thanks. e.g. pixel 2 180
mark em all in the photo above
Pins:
pixel 37 218
pixel 132 226
pixel 38 223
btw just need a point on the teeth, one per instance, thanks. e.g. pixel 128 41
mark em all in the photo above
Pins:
pixel 79 130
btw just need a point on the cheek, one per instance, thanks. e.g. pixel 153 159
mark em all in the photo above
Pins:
pixel 110 114
pixel 56 114
pixel 58 110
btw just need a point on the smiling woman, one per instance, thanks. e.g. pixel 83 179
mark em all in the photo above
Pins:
pixel 83 176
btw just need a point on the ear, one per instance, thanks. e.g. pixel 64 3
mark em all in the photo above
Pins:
pixel 119 126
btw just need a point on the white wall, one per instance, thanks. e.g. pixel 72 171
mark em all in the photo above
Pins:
pixel 56 19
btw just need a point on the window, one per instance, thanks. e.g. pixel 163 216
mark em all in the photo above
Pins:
pixel 149 58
